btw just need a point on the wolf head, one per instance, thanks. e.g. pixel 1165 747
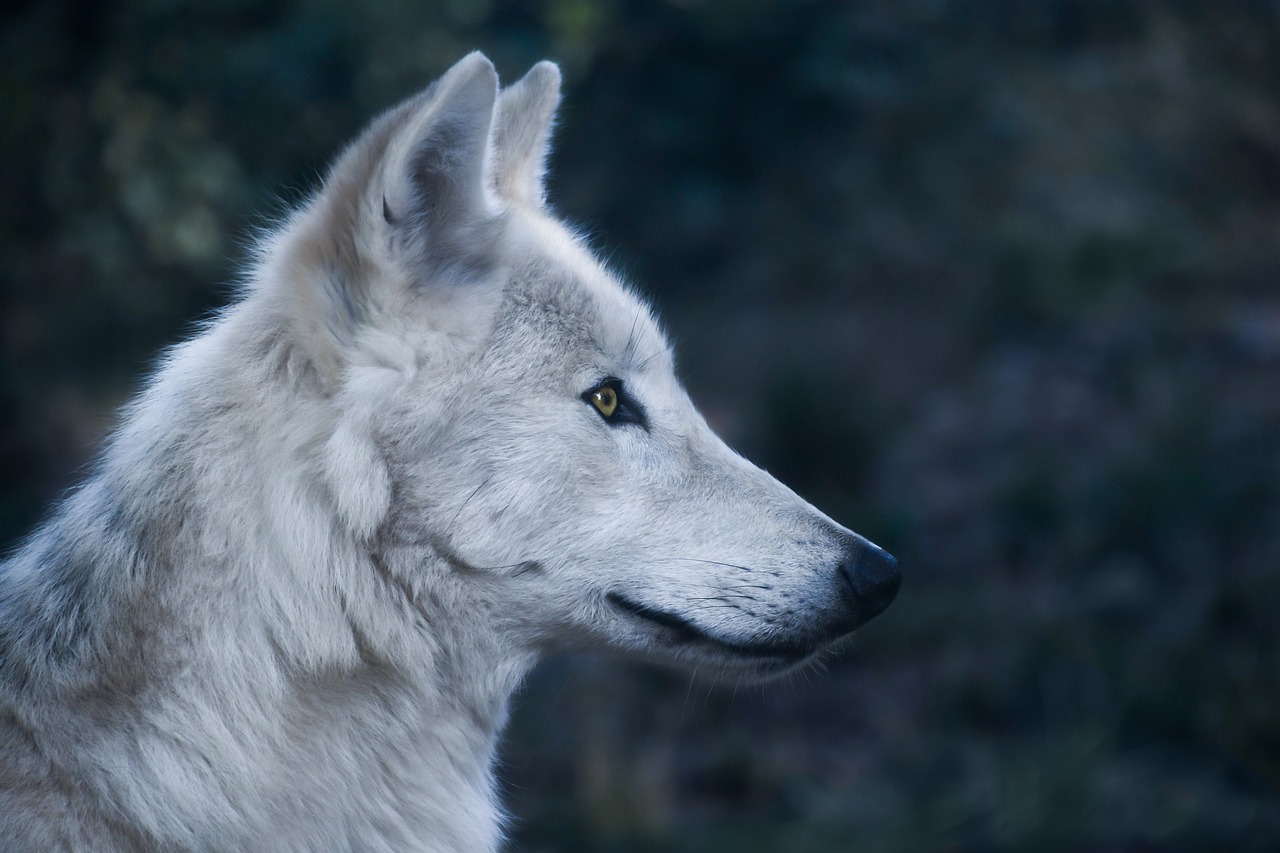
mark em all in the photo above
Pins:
pixel 506 424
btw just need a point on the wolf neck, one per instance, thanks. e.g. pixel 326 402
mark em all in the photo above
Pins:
pixel 286 687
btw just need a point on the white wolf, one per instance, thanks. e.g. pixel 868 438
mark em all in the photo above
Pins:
pixel 432 441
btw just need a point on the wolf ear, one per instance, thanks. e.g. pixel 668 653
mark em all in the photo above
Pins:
pixel 436 170
pixel 408 212
pixel 522 133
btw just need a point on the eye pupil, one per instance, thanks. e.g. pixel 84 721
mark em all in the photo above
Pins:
pixel 605 400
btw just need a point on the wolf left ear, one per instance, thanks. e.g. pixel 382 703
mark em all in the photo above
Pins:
pixel 435 172
pixel 413 211
pixel 522 133
pixel 408 209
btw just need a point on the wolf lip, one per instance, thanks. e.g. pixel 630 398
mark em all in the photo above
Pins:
pixel 687 632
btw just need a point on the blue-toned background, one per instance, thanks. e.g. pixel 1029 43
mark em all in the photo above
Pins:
pixel 994 283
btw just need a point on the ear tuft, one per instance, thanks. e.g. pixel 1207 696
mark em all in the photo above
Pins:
pixel 522 135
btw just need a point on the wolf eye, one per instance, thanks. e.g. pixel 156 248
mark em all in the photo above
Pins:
pixel 605 399
pixel 613 403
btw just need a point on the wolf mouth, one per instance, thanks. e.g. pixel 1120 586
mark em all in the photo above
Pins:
pixel 688 633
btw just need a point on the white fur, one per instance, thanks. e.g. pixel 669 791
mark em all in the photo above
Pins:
pixel 287 609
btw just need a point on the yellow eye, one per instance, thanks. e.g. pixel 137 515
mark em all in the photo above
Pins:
pixel 605 399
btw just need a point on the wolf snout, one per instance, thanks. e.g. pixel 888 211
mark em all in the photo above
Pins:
pixel 873 579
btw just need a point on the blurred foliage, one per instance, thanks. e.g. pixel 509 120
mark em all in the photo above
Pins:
pixel 994 282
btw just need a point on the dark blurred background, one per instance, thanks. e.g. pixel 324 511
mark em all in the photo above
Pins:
pixel 992 282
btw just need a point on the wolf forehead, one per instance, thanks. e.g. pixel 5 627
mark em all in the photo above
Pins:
pixel 571 306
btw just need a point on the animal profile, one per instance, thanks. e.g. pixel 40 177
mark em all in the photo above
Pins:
pixel 432 441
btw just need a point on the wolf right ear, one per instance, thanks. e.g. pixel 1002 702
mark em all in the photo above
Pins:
pixel 522 133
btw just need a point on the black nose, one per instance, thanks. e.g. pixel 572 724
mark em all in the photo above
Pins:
pixel 874 577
